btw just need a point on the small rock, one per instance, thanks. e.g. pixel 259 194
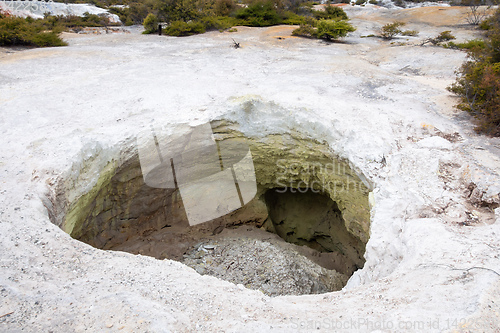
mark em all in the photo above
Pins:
pixel 200 270
pixel 435 142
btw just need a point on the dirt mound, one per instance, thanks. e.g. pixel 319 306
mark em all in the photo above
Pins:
pixel 271 266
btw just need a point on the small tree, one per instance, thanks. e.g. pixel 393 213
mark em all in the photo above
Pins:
pixel 224 7
pixel 478 82
pixel 475 14
pixel 150 23
pixel 390 30
pixel 330 13
pixel 333 29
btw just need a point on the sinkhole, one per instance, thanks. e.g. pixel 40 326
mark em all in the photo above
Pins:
pixel 299 226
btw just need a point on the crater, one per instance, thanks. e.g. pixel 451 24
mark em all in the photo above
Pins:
pixel 302 231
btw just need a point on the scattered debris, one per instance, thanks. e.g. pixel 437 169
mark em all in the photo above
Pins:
pixel 7 314
pixel 271 266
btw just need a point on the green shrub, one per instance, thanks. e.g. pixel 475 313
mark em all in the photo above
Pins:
pixel 187 17
pixel 324 29
pixel 150 23
pixel 360 2
pixel 333 29
pixel 181 28
pixel 373 2
pixel 218 22
pixel 445 36
pixel 305 31
pixel 46 39
pixel 73 21
pixel 135 13
pixel 94 20
pixel 478 80
pixel 485 25
pixel 181 10
pixel 468 45
pixel 411 33
pixel 121 12
pixel 31 32
pixel 293 19
pixel 224 7
pixel 259 14
pixel 330 13
pixel 391 30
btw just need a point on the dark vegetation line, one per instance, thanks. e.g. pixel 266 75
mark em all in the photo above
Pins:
pixel 478 80
pixel 183 18
pixel 43 32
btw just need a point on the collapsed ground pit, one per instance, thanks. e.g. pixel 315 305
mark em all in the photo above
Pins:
pixel 303 238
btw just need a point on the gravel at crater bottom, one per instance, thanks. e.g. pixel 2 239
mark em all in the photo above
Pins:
pixel 271 266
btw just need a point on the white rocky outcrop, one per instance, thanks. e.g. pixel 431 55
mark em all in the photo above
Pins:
pixel 37 9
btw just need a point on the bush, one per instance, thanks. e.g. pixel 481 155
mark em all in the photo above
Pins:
pixel 181 28
pixel 182 10
pixel 330 13
pixel 224 7
pixel 478 81
pixel 444 36
pixel 94 20
pixel 333 29
pixel 218 22
pixel 73 21
pixel 400 3
pixel 46 39
pixel 259 14
pixel 325 29
pixel 305 30
pixel 20 31
pixel 473 44
pixel 485 25
pixel 138 10
pixel 391 30
pixel 188 17
pixel 293 19
pixel 411 33
pixel 150 23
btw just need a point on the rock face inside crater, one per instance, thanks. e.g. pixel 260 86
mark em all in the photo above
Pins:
pixel 305 194
pixel 312 219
